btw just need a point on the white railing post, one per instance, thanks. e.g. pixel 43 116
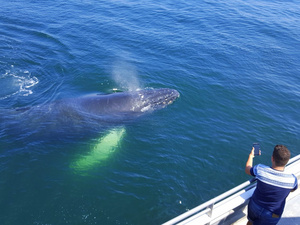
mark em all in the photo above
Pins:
pixel 210 212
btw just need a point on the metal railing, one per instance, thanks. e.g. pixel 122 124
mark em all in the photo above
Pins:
pixel 208 207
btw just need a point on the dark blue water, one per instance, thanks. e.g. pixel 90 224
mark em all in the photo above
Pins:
pixel 235 64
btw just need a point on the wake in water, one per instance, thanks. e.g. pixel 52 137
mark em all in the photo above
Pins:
pixel 14 82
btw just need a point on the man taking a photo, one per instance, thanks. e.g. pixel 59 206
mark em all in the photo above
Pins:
pixel 273 186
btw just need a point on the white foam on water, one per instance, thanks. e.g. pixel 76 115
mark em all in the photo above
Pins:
pixel 16 82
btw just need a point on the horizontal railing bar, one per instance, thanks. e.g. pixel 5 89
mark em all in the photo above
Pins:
pixel 206 204
pixel 294 159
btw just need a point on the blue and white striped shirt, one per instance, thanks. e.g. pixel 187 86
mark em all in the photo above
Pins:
pixel 272 188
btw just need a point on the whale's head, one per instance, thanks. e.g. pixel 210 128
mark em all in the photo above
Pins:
pixel 127 104
pixel 152 99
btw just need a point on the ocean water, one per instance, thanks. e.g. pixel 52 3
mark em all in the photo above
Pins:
pixel 235 64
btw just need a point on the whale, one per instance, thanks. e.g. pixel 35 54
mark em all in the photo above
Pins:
pixel 126 104
pixel 115 107
pixel 89 115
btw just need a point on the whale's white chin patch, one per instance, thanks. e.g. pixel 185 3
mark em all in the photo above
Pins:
pixel 145 109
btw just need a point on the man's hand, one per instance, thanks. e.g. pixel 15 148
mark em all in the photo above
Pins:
pixel 252 153
pixel 249 162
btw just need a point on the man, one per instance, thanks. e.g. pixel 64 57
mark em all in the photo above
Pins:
pixel 273 186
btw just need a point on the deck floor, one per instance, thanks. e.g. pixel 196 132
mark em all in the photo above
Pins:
pixel 291 214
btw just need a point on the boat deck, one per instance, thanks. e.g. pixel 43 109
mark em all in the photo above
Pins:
pixel 230 208
pixel 291 214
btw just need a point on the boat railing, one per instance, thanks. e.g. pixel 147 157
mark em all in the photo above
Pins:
pixel 219 208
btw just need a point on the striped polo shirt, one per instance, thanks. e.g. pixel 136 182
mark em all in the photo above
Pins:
pixel 272 188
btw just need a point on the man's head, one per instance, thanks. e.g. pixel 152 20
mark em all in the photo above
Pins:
pixel 281 155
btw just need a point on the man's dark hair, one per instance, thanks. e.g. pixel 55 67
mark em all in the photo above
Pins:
pixel 281 155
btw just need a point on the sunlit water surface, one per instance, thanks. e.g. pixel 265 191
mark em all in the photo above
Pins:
pixel 235 64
